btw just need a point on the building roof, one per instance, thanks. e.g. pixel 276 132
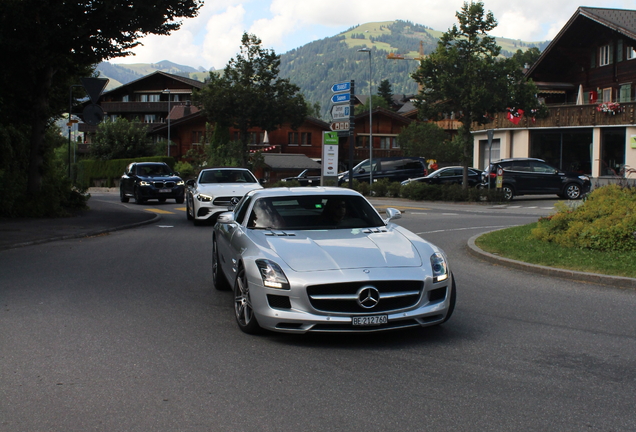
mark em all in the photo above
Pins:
pixel 187 81
pixel 287 161
pixel 578 34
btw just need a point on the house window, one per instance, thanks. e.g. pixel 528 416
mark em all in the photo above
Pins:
pixel 625 93
pixel 150 118
pixel 292 138
pixel 604 55
pixel 197 137
pixel 607 94
pixel 143 98
pixel 236 136
pixel 387 143
pixel 153 98
pixel 124 98
pixel 631 53
pixel 305 138
pixel 256 137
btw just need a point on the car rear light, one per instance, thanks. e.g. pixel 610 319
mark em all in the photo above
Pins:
pixel 493 175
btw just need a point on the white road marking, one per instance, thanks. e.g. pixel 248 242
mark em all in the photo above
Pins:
pixel 466 229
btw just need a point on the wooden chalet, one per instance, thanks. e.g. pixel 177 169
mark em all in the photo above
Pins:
pixel 587 79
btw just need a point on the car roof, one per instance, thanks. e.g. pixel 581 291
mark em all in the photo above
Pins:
pixel 225 169
pixel 518 159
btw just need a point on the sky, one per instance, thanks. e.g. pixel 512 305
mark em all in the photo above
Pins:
pixel 212 38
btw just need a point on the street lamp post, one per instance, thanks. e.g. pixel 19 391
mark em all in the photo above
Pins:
pixel 368 50
pixel 169 97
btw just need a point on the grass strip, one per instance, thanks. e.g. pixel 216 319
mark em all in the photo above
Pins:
pixel 517 243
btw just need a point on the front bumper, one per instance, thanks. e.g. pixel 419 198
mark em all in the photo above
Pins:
pixel 150 192
pixel 292 311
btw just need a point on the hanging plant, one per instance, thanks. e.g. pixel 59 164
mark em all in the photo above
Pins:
pixel 609 108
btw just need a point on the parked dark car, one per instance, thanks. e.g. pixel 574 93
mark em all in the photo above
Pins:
pixel 309 177
pixel 449 175
pixel 392 168
pixel 528 176
pixel 151 180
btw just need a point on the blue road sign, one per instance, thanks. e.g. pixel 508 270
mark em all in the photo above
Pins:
pixel 345 86
pixel 342 97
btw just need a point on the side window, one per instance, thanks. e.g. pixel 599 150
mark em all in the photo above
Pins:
pixel 413 165
pixel 519 166
pixel 241 209
pixel 542 168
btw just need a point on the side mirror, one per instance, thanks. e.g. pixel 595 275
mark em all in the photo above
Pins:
pixel 262 181
pixel 225 218
pixel 391 214
pixel 190 182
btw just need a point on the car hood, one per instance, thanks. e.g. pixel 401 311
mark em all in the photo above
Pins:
pixel 340 249
pixel 227 188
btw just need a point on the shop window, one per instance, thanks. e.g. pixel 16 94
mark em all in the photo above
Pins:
pixel 612 151
pixel 567 151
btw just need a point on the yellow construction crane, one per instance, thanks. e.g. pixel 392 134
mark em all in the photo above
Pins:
pixel 394 56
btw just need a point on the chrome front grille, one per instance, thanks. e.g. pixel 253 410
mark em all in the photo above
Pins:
pixel 344 297
pixel 160 185
pixel 225 201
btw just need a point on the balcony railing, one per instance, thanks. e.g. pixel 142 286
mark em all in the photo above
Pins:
pixel 140 107
pixel 568 116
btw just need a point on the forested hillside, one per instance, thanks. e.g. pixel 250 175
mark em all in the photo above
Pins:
pixel 316 66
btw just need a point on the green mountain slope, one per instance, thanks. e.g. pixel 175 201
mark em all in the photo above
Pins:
pixel 316 66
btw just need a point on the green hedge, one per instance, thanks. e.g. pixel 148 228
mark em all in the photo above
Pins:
pixel 110 170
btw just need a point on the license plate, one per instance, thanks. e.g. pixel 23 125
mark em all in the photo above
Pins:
pixel 370 320
pixel 165 190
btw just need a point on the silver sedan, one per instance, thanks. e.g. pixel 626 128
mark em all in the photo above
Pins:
pixel 323 260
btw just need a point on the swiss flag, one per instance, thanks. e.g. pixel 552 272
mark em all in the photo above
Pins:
pixel 515 115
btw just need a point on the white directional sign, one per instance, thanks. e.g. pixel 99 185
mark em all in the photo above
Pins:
pixel 340 97
pixel 339 126
pixel 340 112
pixel 345 86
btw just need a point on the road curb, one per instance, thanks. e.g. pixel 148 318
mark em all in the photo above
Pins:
pixel 615 281
pixel 84 234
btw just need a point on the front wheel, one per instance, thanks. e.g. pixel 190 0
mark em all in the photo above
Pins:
pixel 189 216
pixel 572 191
pixel 122 196
pixel 451 305
pixel 138 198
pixel 243 310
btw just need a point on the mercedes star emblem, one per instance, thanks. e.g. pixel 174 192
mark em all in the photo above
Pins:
pixel 368 297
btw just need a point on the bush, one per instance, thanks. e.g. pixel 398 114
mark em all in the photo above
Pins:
pixel 185 169
pixel 422 191
pixel 380 187
pixel 606 221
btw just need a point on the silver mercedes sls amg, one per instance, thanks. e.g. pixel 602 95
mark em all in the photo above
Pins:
pixel 323 260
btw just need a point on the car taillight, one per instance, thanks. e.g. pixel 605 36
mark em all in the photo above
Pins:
pixel 493 175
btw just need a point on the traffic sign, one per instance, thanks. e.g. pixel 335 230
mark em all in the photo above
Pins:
pixel 345 86
pixel 339 126
pixel 340 112
pixel 341 97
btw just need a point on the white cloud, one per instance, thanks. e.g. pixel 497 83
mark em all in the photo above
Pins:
pixel 214 36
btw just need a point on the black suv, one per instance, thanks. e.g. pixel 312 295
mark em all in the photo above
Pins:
pixel 528 176
pixel 392 168
pixel 309 177
pixel 150 180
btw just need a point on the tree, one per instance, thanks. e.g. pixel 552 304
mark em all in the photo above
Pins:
pixel 385 91
pixel 121 139
pixel 466 76
pixel 378 102
pixel 250 94
pixel 526 58
pixel 58 42
pixel 427 140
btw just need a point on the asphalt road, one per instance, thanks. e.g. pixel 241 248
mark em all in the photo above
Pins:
pixel 124 332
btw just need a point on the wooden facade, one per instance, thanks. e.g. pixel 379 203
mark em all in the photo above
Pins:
pixel 587 79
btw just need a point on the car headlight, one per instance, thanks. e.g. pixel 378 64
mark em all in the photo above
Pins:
pixel 584 178
pixel 204 198
pixel 144 183
pixel 272 274
pixel 439 266
pixel 180 183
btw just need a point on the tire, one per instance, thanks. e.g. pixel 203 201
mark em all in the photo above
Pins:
pixel 188 215
pixel 179 200
pixel 243 311
pixel 508 192
pixel 122 196
pixel 453 300
pixel 572 191
pixel 138 198
pixel 218 278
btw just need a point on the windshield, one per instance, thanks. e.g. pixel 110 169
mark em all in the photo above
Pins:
pixel 153 170
pixel 313 212
pixel 226 176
